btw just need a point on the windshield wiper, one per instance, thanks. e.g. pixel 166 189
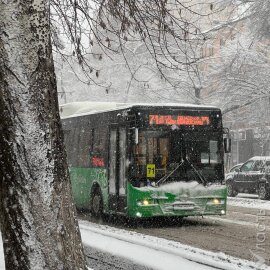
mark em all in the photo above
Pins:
pixel 201 177
pixel 185 160
pixel 165 177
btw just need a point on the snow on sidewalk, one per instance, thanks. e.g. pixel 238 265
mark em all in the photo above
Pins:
pixel 158 253
pixel 248 202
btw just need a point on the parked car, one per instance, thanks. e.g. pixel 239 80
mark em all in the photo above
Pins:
pixel 251 177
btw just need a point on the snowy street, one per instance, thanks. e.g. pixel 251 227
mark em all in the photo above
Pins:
pixel 238 234
pixel 151 252
pixel 135 135
pixel 227 242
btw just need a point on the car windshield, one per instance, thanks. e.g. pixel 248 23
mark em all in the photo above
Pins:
pixel 233 169
pixel 163 156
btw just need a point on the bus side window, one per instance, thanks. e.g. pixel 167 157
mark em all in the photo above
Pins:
pixel 99 148
pixel 75 146
pixel 140 151
pixel 84 142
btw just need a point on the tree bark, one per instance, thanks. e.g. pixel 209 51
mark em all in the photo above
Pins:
pixel 38 223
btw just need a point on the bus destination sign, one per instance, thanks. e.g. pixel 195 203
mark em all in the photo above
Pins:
pixel 180 120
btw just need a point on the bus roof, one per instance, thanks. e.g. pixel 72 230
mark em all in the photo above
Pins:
pixel 75 109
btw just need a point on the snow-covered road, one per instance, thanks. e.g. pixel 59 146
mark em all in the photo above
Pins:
pixel 157 253
pixel 151 252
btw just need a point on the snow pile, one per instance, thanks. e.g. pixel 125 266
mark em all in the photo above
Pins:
pixel 249 203
pixel 178 186
pixel 158 253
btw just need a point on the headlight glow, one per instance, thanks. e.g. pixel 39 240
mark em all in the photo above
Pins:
pixel 145 202
pixel 215 201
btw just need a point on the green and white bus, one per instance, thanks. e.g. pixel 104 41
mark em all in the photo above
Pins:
pixel 146 160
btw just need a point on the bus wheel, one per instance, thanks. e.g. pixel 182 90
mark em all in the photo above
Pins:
pixel 263 192
pixel 230 190
pixel 96 203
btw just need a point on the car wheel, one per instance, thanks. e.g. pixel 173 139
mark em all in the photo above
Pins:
pixel 96 203
pixel 230 190
pixel 263 192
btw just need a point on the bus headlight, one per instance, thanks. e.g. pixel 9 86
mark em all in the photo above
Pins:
pixel 145 202
pixel 215 201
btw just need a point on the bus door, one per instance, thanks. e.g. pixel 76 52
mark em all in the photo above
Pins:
pixel 117 169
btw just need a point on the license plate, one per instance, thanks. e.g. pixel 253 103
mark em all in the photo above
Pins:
pixel 183 207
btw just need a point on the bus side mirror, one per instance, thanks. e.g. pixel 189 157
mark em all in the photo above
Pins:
pixel 227 145
pixel 136 131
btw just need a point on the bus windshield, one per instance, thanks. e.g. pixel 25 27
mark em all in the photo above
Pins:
pixel 163 156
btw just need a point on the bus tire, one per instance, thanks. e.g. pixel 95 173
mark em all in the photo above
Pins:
pixel 96 203
pixel 230 190
pixel 263 193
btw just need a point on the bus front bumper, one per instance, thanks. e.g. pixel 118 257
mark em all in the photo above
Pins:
pixel 206 206
pixel 153 202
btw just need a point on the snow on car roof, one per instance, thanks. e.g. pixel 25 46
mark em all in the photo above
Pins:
pixel 87 107
pixel 260 158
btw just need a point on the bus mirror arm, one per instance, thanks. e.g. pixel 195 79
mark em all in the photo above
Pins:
pixel 227 142
pixel 227 145
pixel 136 135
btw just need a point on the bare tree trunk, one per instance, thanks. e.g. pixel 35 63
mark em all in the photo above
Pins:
pixel 37 215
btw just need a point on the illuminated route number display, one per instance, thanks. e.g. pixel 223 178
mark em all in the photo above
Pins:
pixel 179 120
